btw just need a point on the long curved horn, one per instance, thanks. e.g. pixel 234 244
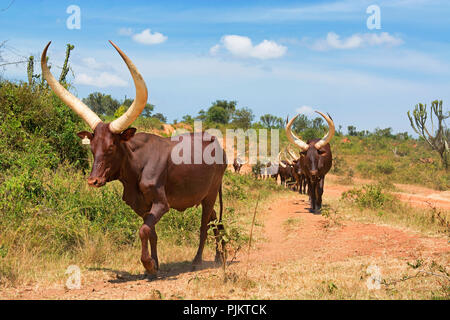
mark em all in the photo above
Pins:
pixel 69 99
pixel 121 123
pixel 292 154
pixel 293 138
pixel 327 138
pixel 281 162
pixel 288 158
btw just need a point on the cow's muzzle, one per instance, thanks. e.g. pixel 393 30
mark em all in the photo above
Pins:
pixel 96 182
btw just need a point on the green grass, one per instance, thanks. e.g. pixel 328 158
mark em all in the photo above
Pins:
pixel 374 158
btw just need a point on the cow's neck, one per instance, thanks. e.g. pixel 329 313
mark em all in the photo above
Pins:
pixel 129 171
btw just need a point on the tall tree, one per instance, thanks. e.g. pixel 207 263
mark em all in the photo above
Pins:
pixel 242 118
pixel 148 109
pixel 101 103
pixel 438 138
pixel 270 121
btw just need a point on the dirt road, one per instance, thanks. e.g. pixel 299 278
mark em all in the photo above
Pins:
pixel 291 233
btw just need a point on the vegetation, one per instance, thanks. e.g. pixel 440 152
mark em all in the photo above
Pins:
pixel 50 218
pixel 47 208
pixel 438 140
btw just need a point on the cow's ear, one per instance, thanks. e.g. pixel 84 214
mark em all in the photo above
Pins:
pixel 127 134
pixel 85 134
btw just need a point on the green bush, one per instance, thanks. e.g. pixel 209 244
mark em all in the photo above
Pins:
pixel 369 196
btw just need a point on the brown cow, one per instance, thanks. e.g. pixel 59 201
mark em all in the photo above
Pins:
pixel 284 171
pixel 143 163
pixel 237 165
pixel 315 161
pixel 297 173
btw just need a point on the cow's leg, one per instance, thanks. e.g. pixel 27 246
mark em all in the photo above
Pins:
pixel 300 184
pixel 147 232
pixel 320 193
pixel 305 185
pixel 207 209
pixel 312 194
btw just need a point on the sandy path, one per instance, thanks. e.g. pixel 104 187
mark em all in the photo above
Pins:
pixel 290 232
pixel 314 236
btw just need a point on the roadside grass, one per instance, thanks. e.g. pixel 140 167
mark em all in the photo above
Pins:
pixel 375 203
pixel 400 161
pixel 93 228
pixel 316 280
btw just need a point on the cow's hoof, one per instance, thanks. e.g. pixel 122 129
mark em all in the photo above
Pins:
pixel 150 266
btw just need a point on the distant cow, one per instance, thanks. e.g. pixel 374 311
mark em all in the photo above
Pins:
pixel 237 165
pixel 315 160
pixel 284 171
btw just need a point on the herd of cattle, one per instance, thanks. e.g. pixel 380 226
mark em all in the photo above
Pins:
pixel 153 183
pixel 305 172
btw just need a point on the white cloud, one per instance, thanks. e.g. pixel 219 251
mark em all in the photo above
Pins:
pixel 214 49
pixel 105 79
pixel 92 64
pixel 147 37
pixel 243 47
pixel 334 41
pixel 305 110
pixel 125 31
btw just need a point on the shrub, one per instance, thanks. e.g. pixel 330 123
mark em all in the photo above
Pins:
pixel 369 196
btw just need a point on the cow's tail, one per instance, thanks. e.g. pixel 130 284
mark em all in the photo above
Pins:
pixel 220 203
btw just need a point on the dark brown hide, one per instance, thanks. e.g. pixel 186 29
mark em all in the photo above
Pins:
pixel 315 164
pixel 153 183
pixel 299 176
pixel 285 173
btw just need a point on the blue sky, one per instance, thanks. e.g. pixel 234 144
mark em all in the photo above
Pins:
pixel 271 56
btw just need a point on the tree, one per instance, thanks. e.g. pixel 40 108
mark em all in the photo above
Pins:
pixel 120 111
pixel 301 123
pixel 218 114
pixel 187 119
pixel 101 103
pixel 242 118
pixel 64 71
pixel 438 139
pixel 148 109
pixel 270 121
pixel 220 111
pixel 201 115
pixel 387 132
pixel 65 68
pixel 317 123
pixel 160 116
pixel 352 131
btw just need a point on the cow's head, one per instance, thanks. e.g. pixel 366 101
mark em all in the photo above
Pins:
pixel 107 139
pixel 312 153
